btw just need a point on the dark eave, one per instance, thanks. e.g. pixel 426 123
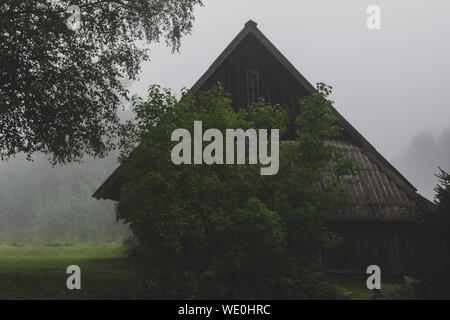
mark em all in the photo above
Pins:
pixel 108 189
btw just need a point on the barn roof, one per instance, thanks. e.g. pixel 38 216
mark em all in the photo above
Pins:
pixel 375 196
pixel 382 193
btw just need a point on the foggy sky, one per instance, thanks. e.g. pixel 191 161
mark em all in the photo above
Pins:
pixel 421 160
pixel 392 84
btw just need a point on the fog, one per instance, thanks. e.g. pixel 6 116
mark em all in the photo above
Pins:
pixel 391 84
pixel 422 158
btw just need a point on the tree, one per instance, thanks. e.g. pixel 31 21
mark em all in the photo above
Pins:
pixel 60 88
pixel 434 255
pixel 46 203
pixel 225 231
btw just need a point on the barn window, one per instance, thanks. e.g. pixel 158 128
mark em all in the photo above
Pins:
pixel 252 86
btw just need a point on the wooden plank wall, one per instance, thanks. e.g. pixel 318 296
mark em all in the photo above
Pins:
pixel 276 84
pixel 388 245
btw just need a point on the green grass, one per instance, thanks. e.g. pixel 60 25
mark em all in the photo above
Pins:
pixel 352 287
pixel 39 272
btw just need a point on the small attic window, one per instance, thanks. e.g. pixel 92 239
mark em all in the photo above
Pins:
pixel 252 86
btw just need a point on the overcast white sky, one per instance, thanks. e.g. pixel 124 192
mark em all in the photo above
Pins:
pixel 391 84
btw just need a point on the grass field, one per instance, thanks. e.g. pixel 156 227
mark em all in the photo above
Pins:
pixel 39 272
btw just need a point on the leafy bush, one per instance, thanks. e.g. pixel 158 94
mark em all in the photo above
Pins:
pixel 225 231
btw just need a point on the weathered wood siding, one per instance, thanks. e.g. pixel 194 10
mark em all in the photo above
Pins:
pixel 275 83
pixel 391 246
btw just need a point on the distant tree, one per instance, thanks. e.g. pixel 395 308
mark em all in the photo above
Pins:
pixel 60 88
pixel 52 204
pixel 225 231
pixel 68 212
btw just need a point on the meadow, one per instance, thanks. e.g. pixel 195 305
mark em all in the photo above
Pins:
pixel 39 272
pixel 31 271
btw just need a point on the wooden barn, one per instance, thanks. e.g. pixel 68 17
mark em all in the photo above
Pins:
pixel 377 223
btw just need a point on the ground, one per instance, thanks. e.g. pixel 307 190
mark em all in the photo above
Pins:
pixel 39 272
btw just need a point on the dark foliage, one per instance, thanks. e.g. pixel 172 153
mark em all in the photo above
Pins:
pixel 434 256
pixel 60 88
pixel 225 231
